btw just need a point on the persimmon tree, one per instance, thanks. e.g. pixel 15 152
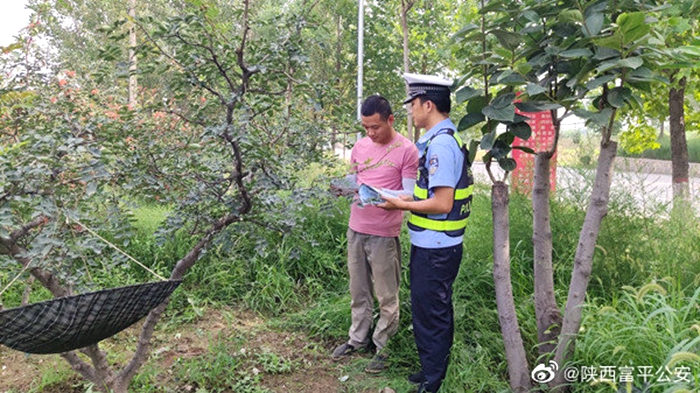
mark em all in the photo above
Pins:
pixel 211 141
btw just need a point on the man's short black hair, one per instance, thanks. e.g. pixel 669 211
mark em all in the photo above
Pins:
pixel 442 102
pixel 376 104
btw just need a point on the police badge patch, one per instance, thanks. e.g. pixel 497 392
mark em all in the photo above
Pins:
pixel 433 164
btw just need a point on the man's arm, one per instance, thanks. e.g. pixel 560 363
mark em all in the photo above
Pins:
pixel 441 202
pixel 408 185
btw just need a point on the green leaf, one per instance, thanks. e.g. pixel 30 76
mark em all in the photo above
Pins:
pixel 593 25
pixel 633 26
pixel 679 25
pixel 631 62
pixel 602 118
pixel 508 40
pixel 531 16
pixel 507 164
pixel 641 74
pixel 489 126
pixel 572 53
pixel 569 15
pixel 532 89
pixel 500 114
pixel 511 78
pixel 536 106
pixel 535 28
pixel 473 147
pixel 600 81
pixel 606 65
pixel 603 53
pixel 477 104
pixel 487 141
pixel 506 138
pixel 466 93
pixel 612 42
pixel 523 68
pixel 503 100
pixel 500 149
pixel 584 114
pixel 618 96
pixel 110 53
pixel 522 130
pixel 461 34
pixel 689 50
pixel 470 120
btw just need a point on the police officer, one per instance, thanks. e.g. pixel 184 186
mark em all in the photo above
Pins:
pixel 439 209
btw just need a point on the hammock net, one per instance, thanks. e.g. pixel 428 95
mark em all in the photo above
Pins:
pixel 68 323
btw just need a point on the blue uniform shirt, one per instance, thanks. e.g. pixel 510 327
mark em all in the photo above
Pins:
pixel 444 160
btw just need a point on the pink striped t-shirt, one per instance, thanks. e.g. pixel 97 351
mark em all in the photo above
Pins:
pixel 382 166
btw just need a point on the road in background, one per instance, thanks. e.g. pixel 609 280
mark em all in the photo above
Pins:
pixel 650 192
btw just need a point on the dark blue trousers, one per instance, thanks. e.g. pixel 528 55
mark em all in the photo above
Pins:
pixel 433 271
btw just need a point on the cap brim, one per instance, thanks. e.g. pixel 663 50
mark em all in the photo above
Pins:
pixel 412 96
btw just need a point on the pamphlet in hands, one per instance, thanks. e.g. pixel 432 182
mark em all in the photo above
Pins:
pixel 372 196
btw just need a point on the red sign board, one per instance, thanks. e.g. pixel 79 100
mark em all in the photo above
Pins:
pixel 542 139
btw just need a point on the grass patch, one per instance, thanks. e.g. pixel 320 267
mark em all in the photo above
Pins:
pixel 664 151
pixel 297 279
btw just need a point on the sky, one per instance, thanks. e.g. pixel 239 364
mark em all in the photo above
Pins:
pixel 12 18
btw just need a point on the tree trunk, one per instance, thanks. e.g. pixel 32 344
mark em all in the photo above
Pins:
pixel 546 311
pixel 518 371
pixel 583 260
pixel 405 7
pixel 679 147
pixel 133 84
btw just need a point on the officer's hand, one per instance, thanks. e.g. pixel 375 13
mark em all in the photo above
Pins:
pixel 395 203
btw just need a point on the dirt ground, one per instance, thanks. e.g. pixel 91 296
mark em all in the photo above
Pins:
pixel 309 366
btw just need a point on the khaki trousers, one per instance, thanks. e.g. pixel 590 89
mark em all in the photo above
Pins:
pixel 374 264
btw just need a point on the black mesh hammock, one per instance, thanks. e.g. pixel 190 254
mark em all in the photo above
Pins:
pixel 72 322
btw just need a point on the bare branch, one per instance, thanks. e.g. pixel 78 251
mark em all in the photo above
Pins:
pixel 247 72
pixel 143 346
pixel 11 248
pixel 81 367
pixel 219 66
pixel 100 363
pixel 19 233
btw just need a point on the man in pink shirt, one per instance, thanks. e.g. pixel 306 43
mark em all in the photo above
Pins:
pixel 382 159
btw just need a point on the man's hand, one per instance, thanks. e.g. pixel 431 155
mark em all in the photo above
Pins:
pixel 340 191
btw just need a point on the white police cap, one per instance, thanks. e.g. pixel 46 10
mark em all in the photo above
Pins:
pixel 426 85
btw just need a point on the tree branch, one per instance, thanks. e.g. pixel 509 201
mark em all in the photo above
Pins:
pixel 81 367
pixel 144 342
pixel 19 233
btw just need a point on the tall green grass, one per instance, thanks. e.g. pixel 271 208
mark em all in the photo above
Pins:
pixel 653 329
pixel 299 277
pixel 664 151
pixel 632 248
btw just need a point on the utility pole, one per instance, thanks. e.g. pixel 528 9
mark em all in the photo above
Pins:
pixel 360 55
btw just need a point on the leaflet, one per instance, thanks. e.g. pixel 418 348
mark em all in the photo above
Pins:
pixel 372 196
